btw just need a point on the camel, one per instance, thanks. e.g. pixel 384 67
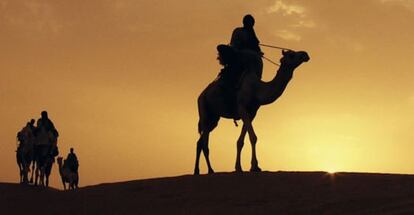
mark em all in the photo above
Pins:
pixel 23 159
pixel 45 170
pixel 45 151
pixel 67 175
pixel 252 94
pixel 24 154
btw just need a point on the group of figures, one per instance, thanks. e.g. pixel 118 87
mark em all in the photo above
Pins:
pixel 238 91
pixel 37 147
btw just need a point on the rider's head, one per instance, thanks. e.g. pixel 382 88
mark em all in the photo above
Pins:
pixel 71 150
pixel 248 21
pixel 44 114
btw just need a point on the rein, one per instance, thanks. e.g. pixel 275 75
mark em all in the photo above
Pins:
pixel 274 47
pixel 270 61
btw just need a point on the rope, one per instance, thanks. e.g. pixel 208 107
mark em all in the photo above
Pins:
pixel 275 47
pixel 270 61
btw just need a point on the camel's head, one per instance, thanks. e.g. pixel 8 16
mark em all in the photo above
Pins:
pixel 294 58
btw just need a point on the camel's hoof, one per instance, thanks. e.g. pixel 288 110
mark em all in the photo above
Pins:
pixel 196 172
pixel 210 171
pixel 239 170
pixel 255 169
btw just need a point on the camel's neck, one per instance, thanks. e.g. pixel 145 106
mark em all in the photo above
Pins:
pixel 272 90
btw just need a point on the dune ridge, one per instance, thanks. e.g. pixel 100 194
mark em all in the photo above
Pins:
pixel 224 193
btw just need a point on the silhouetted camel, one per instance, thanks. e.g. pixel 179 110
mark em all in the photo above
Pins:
pixel 252 94
pixel 24 155
pixel 44 150
pixel 67 176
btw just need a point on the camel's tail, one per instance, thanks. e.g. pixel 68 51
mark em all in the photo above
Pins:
pixel 235 123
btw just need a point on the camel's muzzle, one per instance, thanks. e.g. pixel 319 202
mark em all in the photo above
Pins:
pixel 306 57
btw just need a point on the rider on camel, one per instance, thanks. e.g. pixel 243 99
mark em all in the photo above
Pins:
pixel 44 123
pixel 72 161
pixel 243 39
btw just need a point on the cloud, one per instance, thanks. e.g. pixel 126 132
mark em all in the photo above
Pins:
pixel 286 9
pixel 288 35
pixel 296 19
pixel 305 24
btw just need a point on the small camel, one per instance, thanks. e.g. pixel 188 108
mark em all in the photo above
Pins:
pixel 72 178
pixel 252 94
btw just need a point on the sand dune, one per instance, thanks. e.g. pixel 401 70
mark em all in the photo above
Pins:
pixel 224 193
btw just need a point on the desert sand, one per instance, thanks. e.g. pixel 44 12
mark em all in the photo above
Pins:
pixel 224 193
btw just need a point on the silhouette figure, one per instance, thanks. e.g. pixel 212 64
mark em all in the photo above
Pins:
pixel 32 126
pixel 250 96
pixel 45 148
pixel 67 175
pixel 72 161
pixel 34 131
pixel 45 152
pixel 243 42
pixel 25 151
pixel 244 38
pixel 45 122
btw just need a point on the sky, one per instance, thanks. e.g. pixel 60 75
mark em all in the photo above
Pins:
pixel 120 80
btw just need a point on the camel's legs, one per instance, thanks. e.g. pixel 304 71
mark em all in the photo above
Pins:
pixel 21 173
pixel 25 170
pixel 240 143
pixel 37 174
pixel 206 152
pixel 202 145
pixel 19 164
pixel 247 121
pixel 25 173
pixel 42 178
pixel 33 170
pixel 197 162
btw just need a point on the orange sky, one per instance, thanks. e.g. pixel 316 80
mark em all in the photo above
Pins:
pixel 120 79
